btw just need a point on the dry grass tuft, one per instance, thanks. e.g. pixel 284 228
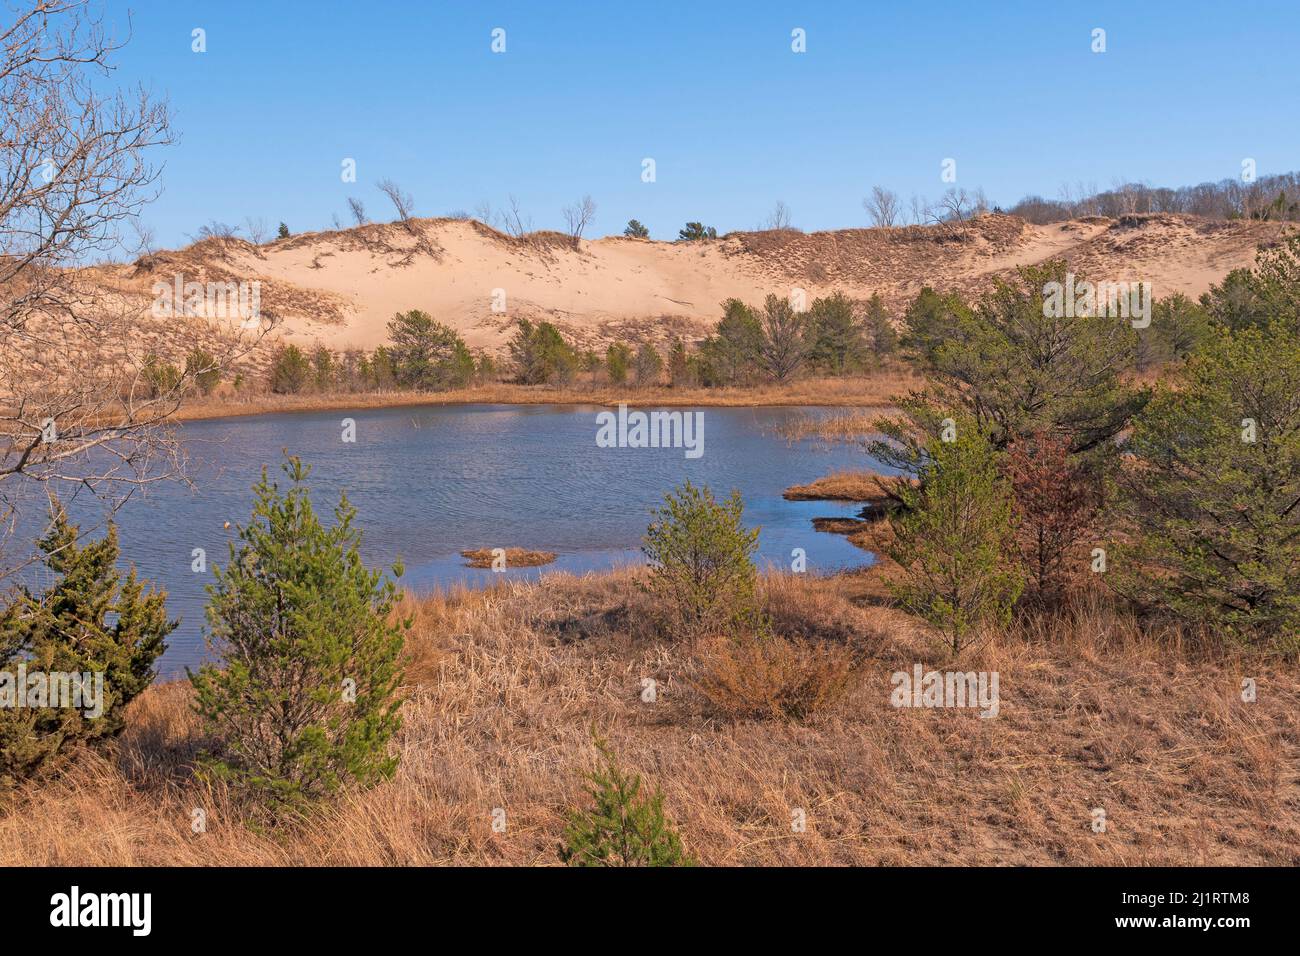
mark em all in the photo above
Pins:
pixel 838 525
pixel 865 486
pixel 772 677
pixel 515 557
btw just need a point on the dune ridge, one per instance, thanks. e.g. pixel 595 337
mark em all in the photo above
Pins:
pixel 339 289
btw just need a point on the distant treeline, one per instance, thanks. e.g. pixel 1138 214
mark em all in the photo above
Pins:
pixel 1266 198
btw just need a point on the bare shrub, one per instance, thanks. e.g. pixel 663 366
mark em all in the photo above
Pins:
pixel 213 229
pixel 512 222
pixel 358 210
pixel 779 218
pixel 578 216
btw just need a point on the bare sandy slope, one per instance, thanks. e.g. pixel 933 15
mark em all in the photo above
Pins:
pixel 341 288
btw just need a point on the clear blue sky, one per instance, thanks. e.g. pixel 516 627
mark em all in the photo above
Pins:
pixel 710 90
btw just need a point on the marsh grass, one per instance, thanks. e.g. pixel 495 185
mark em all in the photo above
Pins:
pixel 873 390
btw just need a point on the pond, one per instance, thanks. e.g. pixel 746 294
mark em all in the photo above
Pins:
pixel 431 481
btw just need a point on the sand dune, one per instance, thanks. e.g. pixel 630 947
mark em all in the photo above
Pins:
pixel 341 288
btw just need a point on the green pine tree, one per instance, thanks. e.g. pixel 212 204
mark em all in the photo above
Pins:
pixel 1016 368
pixel 623 827
pixel 732 353
pixel 306 698
pixel 203 370
pixel 540 354
pixel 836 338
pixel 954 538
pixel 618 359
pixel 879 326
pixel 89 620
pixel 161 378
pixel 1266 294
pixel 290 370
pixel 679 365
pixel 701 558
pixel 1211 500
pixel 426 354
pixel 649 365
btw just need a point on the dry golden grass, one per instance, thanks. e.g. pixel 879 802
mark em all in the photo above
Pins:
pixel 504 684
pixel 514 557
pixel 865 486
pixel 874 390
pixel 838 525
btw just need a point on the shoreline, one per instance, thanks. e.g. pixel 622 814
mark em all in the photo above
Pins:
pixel 870 394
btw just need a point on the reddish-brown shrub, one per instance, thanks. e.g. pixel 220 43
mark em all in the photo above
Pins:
pixel 1055 499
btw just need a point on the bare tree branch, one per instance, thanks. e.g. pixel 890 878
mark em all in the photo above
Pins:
pixel 400 199
pixel 77 407
pixel 358 210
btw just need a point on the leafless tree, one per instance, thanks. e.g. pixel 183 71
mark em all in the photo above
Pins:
pixel 1065 196
pixel 400 199
pixel 882 206
pixel 954 206
pixel 784 344
pixel 256 229
pixel 779 218
pixel 483 212
pixel 78 410
pixel 578 216
pixel 920 210
pixel 358 210
pixel 1126 197
pixel 1087 203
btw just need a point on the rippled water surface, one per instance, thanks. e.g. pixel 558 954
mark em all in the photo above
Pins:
pixel 430 481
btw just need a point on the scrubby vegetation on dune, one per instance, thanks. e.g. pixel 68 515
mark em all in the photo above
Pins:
pixel 504 685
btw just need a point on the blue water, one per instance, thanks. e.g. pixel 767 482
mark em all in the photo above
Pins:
pixel 430 481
